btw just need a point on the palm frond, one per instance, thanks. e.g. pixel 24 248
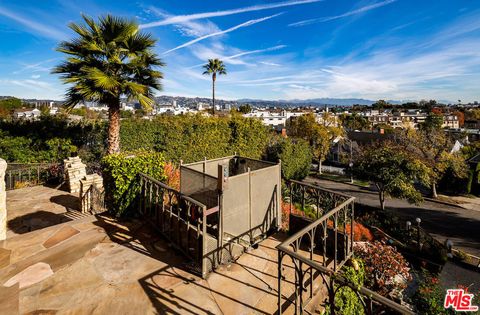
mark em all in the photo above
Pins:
pixel 109 58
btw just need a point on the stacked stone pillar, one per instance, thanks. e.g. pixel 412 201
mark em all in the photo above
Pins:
pixel 75 170
pixel 3 201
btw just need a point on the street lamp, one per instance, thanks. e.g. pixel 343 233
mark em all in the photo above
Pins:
pixel 449 245
pixel 418 220
pixel 351 162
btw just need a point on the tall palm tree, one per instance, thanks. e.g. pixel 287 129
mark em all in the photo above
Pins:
pixel 110 58
pixel 213 67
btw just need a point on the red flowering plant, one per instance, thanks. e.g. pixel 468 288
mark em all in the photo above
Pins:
pixel 428 298
pixel 173 175
pixel 360 232
pixel 387 271
pixel 288 207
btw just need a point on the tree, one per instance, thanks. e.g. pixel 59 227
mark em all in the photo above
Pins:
pixel 354 122
pixel 433 121
pixel 461 117
pixel 319 136
pixel 427 105
pixel 392 170
pixel 245 108
pixel 295 156
pixel 8 105
pixel 214 67
pixel 110 59
pixel 381 104
pixel 432 145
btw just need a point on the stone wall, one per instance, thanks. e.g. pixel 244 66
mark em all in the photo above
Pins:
pixel 75 170
pixel 3 201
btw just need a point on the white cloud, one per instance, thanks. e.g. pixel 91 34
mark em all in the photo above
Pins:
pixel 33 26
pixel 268 63
pixel 183 18
pixel 35 76
pixel 257 51
pixel 35 67
pixel 217 51
pixel 189 28
pixel 236 27
pixel 350 13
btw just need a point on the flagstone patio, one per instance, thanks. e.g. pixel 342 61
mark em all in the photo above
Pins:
pixel 97 265
pixel 38 207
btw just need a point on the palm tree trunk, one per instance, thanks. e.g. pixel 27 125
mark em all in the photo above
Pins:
pixel 213 94
pixel 114 127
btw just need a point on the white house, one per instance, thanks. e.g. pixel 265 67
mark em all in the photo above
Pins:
pixel 27 114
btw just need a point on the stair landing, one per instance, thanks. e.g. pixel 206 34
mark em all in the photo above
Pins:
pixel 100 265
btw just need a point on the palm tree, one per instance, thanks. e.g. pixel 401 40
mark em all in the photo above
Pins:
pixel 213 67
pixel 110 59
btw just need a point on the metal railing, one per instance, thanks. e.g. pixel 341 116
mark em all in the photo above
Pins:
pixel 313 262
pixel 19 175
pixel 179 218
pixel 313 200
pixel 93 200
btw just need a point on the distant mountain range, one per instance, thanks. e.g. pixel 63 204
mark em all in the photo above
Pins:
pixel 316 102
pixel 319 101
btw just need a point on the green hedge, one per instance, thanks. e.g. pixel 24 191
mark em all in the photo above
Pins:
pixel 51 139
pixel 120 176
pixel 192 137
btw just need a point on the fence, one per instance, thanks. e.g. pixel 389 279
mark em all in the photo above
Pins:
pixel 24 175
pixel 246 191
pixel 179 218
pixel 200 186
pixel 321 243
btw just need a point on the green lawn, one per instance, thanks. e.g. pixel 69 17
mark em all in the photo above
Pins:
pixel 341 179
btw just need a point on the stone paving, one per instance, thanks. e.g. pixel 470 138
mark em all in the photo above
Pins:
pixel 97 265
pixel 37 207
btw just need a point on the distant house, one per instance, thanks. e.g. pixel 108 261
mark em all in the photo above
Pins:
pixel 472 123
pixel 341 151
pixel 450 121
pixel 27 114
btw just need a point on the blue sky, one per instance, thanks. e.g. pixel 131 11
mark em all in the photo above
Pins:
pixel 290 49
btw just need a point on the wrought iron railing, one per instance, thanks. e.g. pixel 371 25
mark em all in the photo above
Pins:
pixel 93 200
pixel 313 200
pixel 319 249
pixel 179 218
pixel 20 175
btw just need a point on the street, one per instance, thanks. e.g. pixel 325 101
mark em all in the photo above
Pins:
pixel 462 226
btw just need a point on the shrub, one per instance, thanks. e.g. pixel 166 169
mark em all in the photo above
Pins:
pixel 51 138
pixel 430 295
pixel 120 174
pixel 286 214
pixel 386 269
pixel 347 301
pixel 360 232
pixel 296 157
pixel 172 174
pixel 193 137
